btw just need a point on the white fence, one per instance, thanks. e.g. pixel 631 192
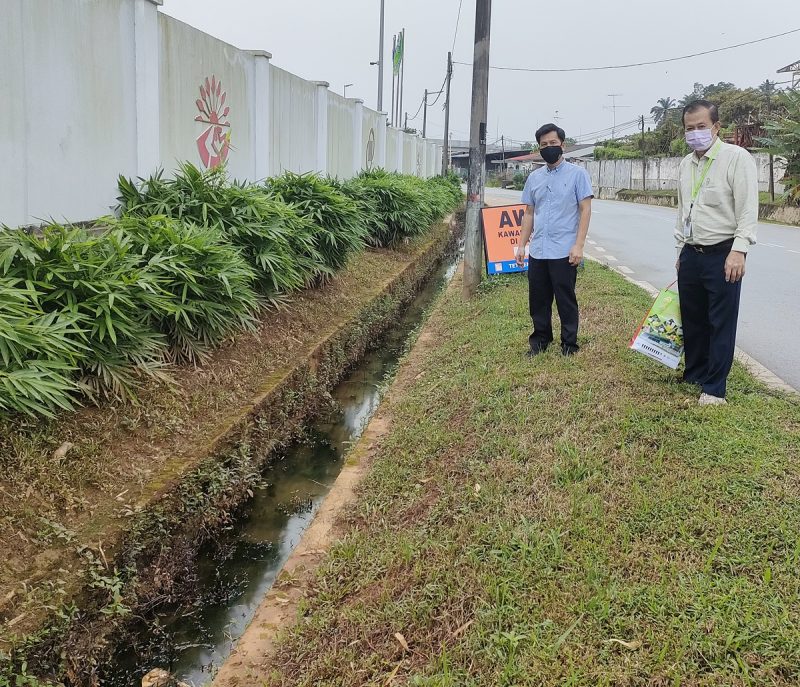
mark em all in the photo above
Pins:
pixel 659 174
pixel 98 88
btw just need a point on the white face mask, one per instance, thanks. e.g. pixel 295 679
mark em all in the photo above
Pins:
pixel 699 139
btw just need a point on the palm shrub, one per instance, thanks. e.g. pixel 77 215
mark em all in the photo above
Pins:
pixel 341 229
pixel 399 209
pixel 96 284
pixel 277 241
pixel 783 140
pixel 204 284
pixel 39 353
pixel 452 184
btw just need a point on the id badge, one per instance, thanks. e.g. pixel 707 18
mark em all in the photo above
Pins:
pixel 687 228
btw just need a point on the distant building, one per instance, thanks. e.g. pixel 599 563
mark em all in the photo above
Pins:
pixel 494 158
pixel 794 70
pixel 528 162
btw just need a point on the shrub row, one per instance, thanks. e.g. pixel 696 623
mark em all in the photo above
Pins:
pixel 87 314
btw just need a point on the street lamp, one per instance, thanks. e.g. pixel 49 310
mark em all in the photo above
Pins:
pixel 345 88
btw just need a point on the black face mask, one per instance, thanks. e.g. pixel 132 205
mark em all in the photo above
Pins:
pixel 551 154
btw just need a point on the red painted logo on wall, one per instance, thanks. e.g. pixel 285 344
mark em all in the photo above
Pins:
pixel 214 143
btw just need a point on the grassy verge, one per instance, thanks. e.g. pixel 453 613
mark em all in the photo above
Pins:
pixel 562 521
pixel 780 199
pixel 628 193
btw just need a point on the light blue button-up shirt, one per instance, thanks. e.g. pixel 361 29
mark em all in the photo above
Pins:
pixel 555 195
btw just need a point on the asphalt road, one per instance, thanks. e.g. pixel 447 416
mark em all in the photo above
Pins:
pixel 638 239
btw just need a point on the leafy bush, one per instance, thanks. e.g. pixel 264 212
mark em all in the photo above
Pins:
pixel 39 355
pixel 95 282
pixel 608 151
pixel 783 140
pixel 398 212
pixel 277 241
pixel 206 287
pixel 400 207
pixel 341 229
pixel 93 312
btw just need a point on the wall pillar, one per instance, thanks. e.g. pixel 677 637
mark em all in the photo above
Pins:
pixel 262 115
pixel 358 137
pixel 380 141
pixel 322 126
pixel 147 41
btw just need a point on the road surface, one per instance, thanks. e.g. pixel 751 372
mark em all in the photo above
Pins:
pixel 638 239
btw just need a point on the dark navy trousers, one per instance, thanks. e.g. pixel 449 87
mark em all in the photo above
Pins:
pixel 710 311
pixel 548 279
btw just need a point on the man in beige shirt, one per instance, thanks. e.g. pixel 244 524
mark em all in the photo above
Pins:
pixel 717 219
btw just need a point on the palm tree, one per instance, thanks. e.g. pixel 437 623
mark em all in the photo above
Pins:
pixel 660 110
pixel 767 88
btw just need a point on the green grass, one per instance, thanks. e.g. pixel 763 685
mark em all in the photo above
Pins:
pixel 781 199
pixel 633 193
pixel 523 519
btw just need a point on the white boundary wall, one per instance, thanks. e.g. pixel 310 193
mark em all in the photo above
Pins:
pixel 610 176
pixel 99 88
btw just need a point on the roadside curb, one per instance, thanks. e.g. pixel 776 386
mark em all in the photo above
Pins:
pixel 755 368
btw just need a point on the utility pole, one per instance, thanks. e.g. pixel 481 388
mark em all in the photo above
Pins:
pixel 394 78
pixel 771 156
pixel 446 138
pixel 644 160
pixel 614 107
pixel 425 114
pixel 473 253
pixel 405 126
pixel 380 58
pixel 503 144
pixel 402 71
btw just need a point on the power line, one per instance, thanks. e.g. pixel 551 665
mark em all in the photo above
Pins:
pixel 458 20
pixel 440 91
pixel 419 109
pixel 640 64
pixel 444 81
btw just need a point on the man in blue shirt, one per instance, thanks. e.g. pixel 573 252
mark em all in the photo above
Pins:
pixel 559 207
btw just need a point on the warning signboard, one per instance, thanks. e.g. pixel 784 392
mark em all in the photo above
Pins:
pixel 502 227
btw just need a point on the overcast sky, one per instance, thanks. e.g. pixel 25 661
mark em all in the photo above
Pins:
pixel 335 40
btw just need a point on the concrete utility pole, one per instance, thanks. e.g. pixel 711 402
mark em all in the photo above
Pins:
pixel 771 156
pixel 503 144
pixel 425 114
pixel 473 243
pixel 394 80
pixel 446 138
pixel 380 58
pixel 644 159
pixel 402 72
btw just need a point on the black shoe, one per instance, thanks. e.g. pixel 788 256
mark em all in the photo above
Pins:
pixel 569 350
pixel 535 350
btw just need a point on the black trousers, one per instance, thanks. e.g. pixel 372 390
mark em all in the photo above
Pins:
pixel 709 310
pixel 548 279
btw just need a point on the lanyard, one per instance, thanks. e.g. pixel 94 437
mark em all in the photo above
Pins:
pixel 696 185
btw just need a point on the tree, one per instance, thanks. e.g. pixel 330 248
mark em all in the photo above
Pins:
pixel 569 141
pixel 661 109
pixel 740 106
pixel 783 141
pixel 768 88
pixel 698 93
pixel 712 90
